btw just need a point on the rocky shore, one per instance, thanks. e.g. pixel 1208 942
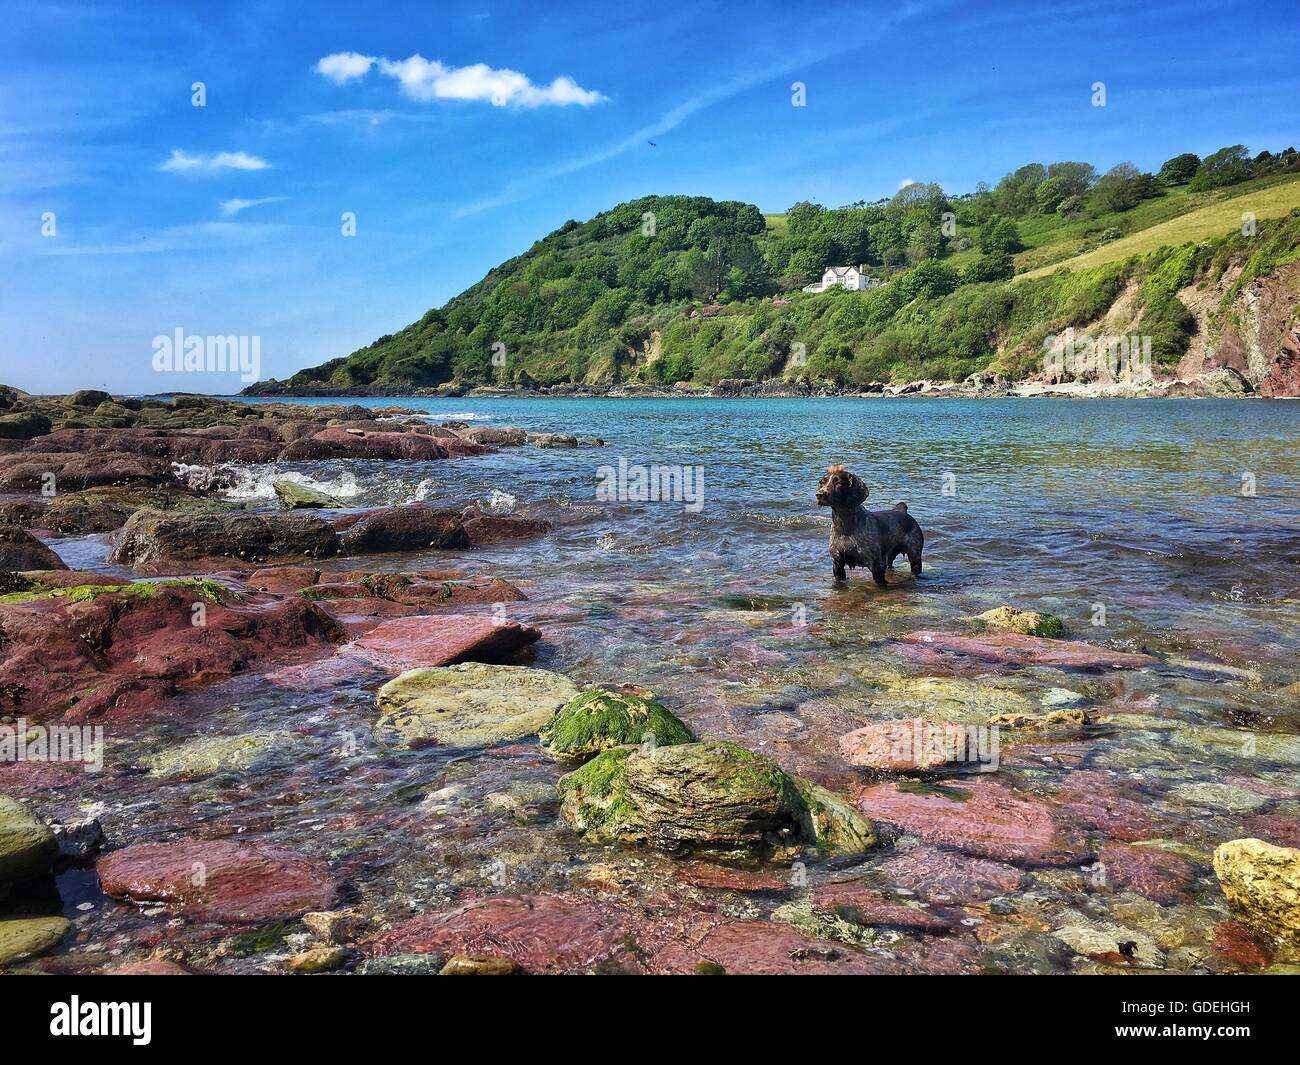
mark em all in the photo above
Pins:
pixel 322 754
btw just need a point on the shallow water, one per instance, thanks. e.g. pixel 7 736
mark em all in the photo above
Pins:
pixel 1131 520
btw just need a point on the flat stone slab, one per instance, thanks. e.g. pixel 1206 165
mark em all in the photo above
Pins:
pixel 412 642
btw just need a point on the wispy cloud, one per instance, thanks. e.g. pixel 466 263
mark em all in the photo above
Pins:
pixel 232 207
pixel 184 163
pixel 428 79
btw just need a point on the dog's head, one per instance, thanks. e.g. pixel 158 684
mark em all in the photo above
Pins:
pixel 839 488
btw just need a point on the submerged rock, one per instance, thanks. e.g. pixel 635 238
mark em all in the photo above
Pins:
pixel 705 800
pixel 468 705
pixel 27 847
pixel 219 880
pixel 906 746
pixel 409 643
pixel 216 754
pixel 1013 649
pixel 29 937
pixel 480 965
pixel 598 720
pixel 1157 874
pixel 1025 622
pixel 1262 884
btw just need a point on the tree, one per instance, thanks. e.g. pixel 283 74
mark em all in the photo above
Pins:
pixel 801 216
pixel 1180 169
pixel 1227 166
pixel 1000 237
pixel 998 267
pixel 1075 178
pixel 1049 194
pixel 1122 188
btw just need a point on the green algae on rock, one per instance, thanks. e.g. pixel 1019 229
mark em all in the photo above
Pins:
pixel 29 937
pixel 206 755
pixel 598 720
pixel 1025 622
pixel 706 800
pixel 27 847
pixel 1262 884
pixel 295 496
pixel 212 591
pixel 468 705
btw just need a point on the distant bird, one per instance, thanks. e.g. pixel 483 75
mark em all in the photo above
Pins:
pixel 652 144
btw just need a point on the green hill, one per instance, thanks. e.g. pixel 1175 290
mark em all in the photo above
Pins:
pixel 667 289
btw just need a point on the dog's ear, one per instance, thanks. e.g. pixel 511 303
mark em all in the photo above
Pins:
pixel 857 491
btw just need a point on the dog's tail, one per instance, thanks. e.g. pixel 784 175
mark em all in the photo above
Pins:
pixel 901 506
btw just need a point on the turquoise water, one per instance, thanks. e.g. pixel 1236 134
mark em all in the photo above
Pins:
pixel 1126 519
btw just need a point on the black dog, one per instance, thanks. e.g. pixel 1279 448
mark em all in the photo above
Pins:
pixel 868 538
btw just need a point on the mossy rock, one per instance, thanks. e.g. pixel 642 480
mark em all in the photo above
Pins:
pixel 1262 885
pixel 30 937
pixel 597 720
pixel 212 591
pixel 295 496
pixel 1025 622
pixel 832 824
pixel 709 800
pixel 27 847
pixel 468 705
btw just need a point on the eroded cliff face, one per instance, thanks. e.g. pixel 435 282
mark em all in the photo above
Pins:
pixel 1257 334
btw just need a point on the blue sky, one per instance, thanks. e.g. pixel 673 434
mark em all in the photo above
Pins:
pixel 459 134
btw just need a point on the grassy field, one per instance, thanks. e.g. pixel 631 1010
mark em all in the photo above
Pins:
pixel 778 224
pixel 1213 220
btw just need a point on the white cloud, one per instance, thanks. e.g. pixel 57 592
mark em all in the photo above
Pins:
pixel 428 79
pixel 342 67
pixel 905 182
pixel 185 163
pixel 234 206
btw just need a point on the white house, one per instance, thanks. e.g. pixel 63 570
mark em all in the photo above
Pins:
pixel 853 278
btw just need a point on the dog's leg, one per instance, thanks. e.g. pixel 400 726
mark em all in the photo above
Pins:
pixel 878 575
pixel 840 575
pixel 915 544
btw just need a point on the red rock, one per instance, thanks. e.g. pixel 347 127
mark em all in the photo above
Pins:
pixel 113 655
pixel 1097 800
pixel 407 643
pixel 1277 829
pixel 338 442
pixel 485 528
pixel 977 817
pixel 283 580
pixel 1157 874
pixel 153 537
pixel 1010 648
pixel 719 878
pixel 1238 944
pixel 905 746
pixel 29 470
pixel 863 905
pixel 945 876
pixel 219 880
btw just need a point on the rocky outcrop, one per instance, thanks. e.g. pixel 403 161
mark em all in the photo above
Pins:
pixel 1025 622
pixel 416 527
pixel 152 537
pixel 295 496
pixel 410 643
pixel 20 550
pixel 27 847
pixel 598 720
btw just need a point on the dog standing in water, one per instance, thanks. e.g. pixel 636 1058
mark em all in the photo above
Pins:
pixel 871 539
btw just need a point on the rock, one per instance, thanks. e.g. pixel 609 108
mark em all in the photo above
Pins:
pixel 468 705
pixel 708 800
pixel 219 880
pixel 88 397
pixel 106 508
pixel 416 527
pixel 1219 797
pixel 598 720
pixel 553 440
pixel 156 967
pixel 295 496
pixel 154 537
pixel 464 965
pixel 1070 720
pixel 947 700
pixel 977 817
pixel 20 550
pixel 495 436
pixel 334 926
pixel 482 528
pixel 409 643
pixel 30 470
pixel 318 959
pixel 27 847
pixel 832 824
pixel 23 426
pixel 865 906
pixel 946 877
pixel 1013 649
pixel 338 442
pixel 1157 874
pixel 29 937
pixel 402 965
pixel 906 746
pixel 206 755
pixel 1223 381
pixel 1025 622
pixel 1110 942
pixel 1262 885
pixel 78 840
